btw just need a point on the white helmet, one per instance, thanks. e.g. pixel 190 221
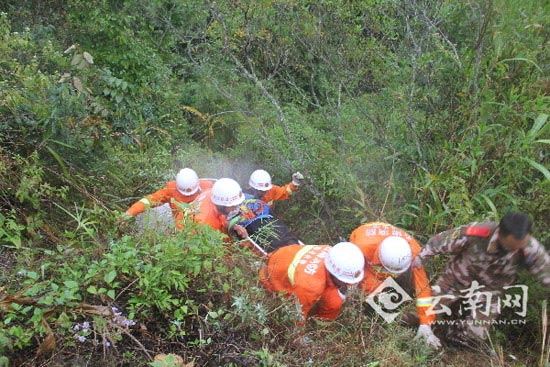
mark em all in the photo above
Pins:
pixel 346 262
pixel 395 254
pixel 227 192
pixel 187 181
pixel 260 180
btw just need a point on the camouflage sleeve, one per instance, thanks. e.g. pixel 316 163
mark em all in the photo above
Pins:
pixel 448 242
pixel 537 261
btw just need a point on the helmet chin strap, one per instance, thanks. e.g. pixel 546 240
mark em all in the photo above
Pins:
pixel 341 286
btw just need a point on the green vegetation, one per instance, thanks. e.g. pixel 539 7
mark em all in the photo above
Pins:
pixel 426 114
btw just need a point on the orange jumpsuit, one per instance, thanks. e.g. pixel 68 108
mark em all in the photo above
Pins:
pixel 278 193
pixel 300 271
pixel 368 238
pixel 206 212
pixel 168 194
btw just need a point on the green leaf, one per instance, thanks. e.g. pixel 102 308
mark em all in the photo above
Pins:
pixel 4 361
pixel 110 276
pixel 539 167
pixel 62 143
pixel 59 160
pixel 489 203
pixel 523 59
pixel 540 121
pixel 70 284
pixel 111 293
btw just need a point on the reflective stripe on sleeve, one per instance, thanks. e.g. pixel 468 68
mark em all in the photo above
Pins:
pixel 146 202
pixel 424 302
pixel 296 260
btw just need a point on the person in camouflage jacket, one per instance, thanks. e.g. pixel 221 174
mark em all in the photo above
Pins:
pixel 483 266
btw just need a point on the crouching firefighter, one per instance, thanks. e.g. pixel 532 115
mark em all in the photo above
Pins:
pixel 318 276
pixel 390 252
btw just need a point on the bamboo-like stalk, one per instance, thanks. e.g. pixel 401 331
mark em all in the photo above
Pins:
pixel 545 343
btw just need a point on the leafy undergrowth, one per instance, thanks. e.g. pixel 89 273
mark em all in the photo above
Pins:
pixel 194 297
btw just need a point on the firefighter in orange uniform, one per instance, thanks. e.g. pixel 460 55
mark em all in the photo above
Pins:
pixel 184 189
pixel 216 206
pixel 317 275
pixel 260 187
pixel 389 252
